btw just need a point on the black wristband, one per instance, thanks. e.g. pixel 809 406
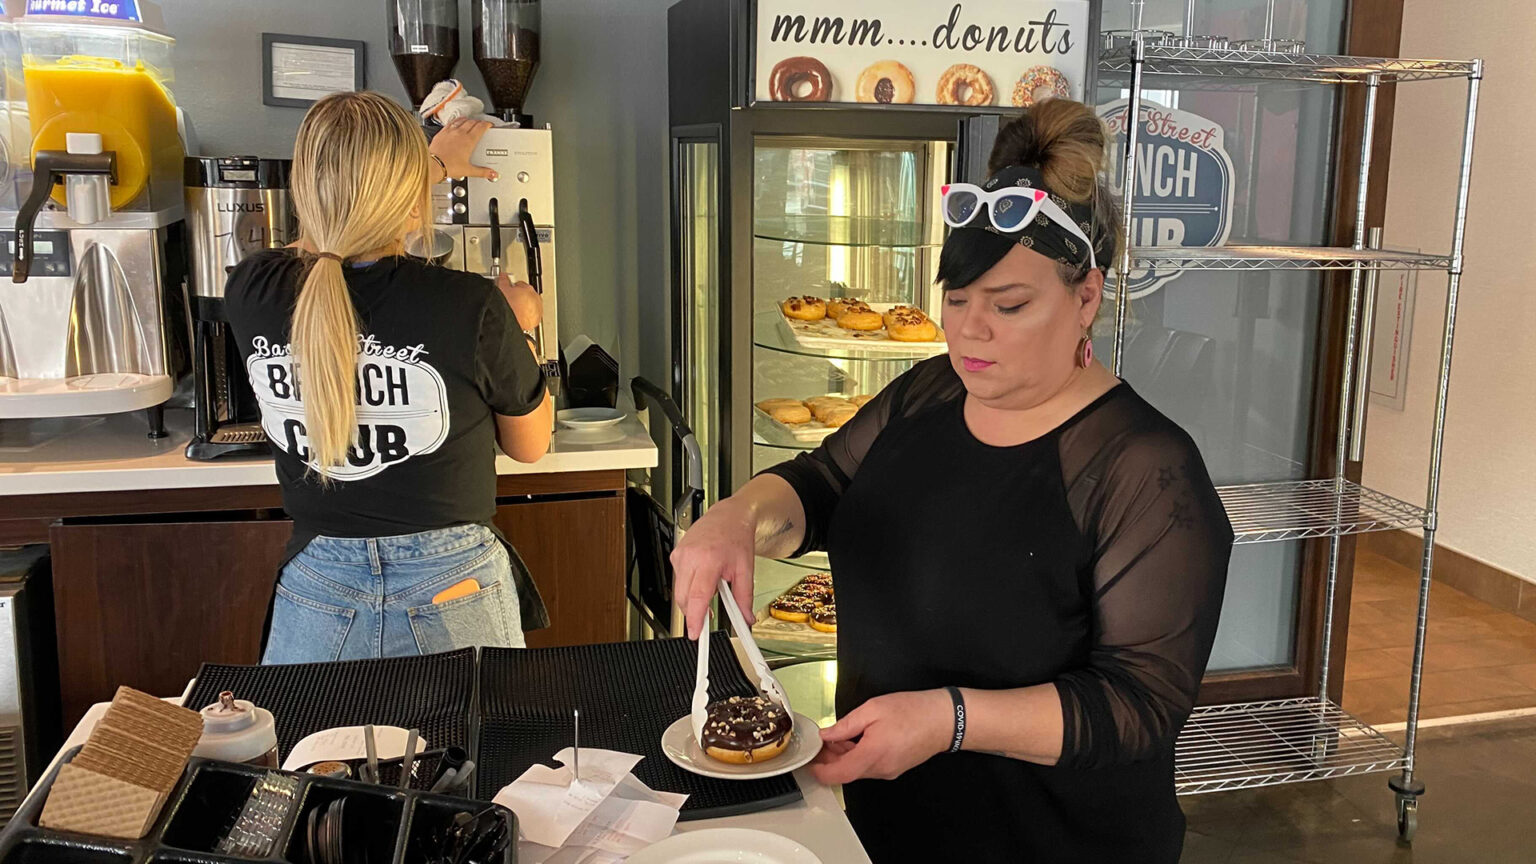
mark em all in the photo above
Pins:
pixel 959 737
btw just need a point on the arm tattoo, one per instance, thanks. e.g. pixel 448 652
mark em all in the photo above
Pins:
pixel 770 534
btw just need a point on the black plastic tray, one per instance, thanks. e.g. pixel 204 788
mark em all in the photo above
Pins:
pixel 628 693
pixel 207 800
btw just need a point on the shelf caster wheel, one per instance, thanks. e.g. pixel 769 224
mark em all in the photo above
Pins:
pixel 1407 819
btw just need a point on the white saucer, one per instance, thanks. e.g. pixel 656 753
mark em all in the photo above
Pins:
pixel 714 845
pixel 677 742
pixel 586 419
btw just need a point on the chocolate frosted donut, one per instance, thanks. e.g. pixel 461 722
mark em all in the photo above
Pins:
pixel 746 729
pixel 788 74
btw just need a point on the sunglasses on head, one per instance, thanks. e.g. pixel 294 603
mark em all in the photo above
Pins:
pixel 1009 209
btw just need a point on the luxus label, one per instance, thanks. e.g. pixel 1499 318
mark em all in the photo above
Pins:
pixel 402 405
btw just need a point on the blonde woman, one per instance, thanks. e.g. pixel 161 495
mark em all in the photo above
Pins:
pixel 383 383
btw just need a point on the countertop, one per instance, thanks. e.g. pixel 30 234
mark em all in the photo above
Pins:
pixel 112 453
pixel 816 821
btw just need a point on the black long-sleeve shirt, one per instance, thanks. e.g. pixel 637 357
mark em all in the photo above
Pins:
pixel 1093 558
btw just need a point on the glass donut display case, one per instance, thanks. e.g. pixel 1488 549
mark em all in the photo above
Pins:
pixel 797 199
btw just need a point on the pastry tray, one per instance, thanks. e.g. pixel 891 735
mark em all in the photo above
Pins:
pixel 825 334
pixel 812 431
pixel 769 630
pixel 210 796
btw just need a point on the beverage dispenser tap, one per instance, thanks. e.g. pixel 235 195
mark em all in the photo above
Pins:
pixel 531 238
pixel 553 368
pixel 85 171
pixel 493 208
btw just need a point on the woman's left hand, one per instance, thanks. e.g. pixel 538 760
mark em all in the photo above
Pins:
pixel 455 143
pixel 886 737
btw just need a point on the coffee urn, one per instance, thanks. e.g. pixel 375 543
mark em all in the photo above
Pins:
pixel 236 205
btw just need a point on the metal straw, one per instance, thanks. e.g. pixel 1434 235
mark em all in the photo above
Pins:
pixel 373 754
pixel 576 743
pixel 409 759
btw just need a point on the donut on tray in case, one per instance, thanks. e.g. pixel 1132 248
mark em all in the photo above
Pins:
pixel 805 308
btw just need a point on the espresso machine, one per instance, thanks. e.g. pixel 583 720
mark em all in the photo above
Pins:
pixel 96 241
pixel 506 225
pixel 236 205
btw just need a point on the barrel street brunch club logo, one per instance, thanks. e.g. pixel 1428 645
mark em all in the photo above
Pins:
pixel 976 53
pixel 1183 194
pixel 402 405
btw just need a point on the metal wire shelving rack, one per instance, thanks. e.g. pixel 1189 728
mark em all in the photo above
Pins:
pixel 1291 740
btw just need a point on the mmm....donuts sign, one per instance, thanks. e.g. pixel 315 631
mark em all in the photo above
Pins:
pixel 1183 194
pixel 1003 53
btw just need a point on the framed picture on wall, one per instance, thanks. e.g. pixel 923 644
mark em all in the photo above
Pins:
pixel 297 71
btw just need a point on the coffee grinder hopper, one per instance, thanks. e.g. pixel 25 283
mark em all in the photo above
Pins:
pixel 506 49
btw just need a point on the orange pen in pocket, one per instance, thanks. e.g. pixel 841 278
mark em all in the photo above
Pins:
pixel 456 590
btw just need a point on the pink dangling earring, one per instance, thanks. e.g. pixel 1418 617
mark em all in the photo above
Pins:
pixel 1085 352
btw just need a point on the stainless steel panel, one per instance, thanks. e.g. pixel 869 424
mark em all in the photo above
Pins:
pixel 7 354
pixel 106 320
pixel 473 247
pixel 225 225
pixel 107 317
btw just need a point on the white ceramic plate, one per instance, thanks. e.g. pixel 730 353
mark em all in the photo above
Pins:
pixel 587 419
pixel 725 846
pixel 677 742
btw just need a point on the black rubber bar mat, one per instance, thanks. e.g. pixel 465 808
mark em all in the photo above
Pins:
pixel 432 693
pixel 628 693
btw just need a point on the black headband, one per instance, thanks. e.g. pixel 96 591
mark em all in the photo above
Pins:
pixel 1042 234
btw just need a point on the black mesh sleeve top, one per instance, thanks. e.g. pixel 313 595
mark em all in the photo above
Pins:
pixel 1093 558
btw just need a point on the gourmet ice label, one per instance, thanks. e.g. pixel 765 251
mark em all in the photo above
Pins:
pixel 121 10
pixel 974 53
pixel 1183 194
pixel 402 405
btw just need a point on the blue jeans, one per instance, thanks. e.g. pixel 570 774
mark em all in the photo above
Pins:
pixel 355 598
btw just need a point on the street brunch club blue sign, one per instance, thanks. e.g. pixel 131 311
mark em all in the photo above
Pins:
pixel 1183 194
pixel 121 10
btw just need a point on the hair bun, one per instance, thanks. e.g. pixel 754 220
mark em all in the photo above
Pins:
pixel 1063 138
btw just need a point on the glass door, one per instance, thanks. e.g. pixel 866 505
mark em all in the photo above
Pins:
pixel 832 218
pixel 1234 358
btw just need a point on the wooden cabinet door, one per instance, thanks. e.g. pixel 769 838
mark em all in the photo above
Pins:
pixel 575 550
pixel 144 603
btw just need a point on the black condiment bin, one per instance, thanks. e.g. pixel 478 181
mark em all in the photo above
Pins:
pixel 208 799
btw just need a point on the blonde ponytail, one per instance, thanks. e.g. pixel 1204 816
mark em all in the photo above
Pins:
pixel 360 167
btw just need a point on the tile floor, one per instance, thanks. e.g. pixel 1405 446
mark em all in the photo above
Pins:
pixel 1478 808
pixel 1478 658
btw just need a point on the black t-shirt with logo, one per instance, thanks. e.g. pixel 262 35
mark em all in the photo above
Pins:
pixel 439 353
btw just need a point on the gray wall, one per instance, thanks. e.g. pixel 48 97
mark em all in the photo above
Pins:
pixel 601 84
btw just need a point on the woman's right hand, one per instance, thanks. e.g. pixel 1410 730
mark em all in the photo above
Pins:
pixel 455 143
pixel 718 547
pixel 527 304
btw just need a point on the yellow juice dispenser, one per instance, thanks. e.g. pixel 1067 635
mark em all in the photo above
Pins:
pixel 87 248
pixel 15 160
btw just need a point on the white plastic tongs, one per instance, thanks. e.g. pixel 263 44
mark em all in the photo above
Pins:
pixel 766 682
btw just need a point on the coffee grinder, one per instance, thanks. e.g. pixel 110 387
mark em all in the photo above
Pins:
pixel 236 205
pixel 84 328
pixel 506 225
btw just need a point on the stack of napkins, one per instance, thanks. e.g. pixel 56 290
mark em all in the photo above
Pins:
pixel 604 817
